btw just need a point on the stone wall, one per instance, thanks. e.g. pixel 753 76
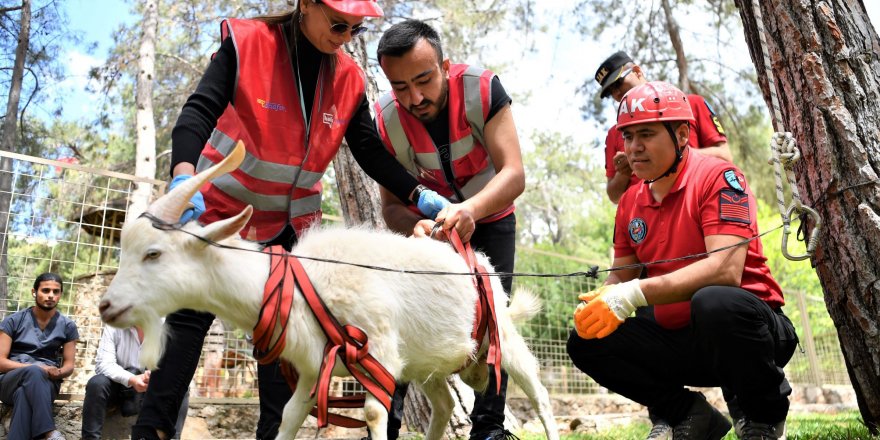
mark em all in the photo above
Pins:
pixel 237 418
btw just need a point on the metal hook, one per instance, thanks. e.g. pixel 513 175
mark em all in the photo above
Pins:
pixel 436 228
pixel 797 208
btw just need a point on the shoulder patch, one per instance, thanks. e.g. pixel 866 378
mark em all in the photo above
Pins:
pixel 638 230
pixel 735 180
pixel 714 117
pixel 733 206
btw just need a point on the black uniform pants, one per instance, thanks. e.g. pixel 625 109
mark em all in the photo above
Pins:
pixel 498 241
pixel 735 340
pixel 170 382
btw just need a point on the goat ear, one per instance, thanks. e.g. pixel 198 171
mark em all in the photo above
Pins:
pixel 224 229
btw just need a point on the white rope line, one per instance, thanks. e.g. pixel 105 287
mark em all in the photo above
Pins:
pixel 784 154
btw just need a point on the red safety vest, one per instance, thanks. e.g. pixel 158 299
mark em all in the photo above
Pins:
pixel 408 140
pixel 266 115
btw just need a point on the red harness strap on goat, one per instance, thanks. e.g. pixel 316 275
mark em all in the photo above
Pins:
pixel 486 320
pixel 348 342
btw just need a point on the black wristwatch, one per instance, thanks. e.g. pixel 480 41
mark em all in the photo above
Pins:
pixel 417 193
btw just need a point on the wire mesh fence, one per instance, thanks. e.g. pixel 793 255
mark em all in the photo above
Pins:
pixel 66 218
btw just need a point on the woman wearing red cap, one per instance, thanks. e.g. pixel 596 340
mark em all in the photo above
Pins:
pixel 282 85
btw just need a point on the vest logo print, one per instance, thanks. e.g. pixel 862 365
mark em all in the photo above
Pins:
pixel 638 230
pixel 328 119
pixel 271 105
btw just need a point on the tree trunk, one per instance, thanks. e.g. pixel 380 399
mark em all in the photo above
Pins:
pixel 358 194
pixel 675 37
pixel 824 56
pixel 7 143
pixel 145 160
pixel 359 197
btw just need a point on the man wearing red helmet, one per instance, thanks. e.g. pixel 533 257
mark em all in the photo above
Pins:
pixel 717 317
pixel 282 85
pixel 616 76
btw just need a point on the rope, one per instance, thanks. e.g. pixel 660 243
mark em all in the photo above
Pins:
pixel 785 153
pixel 592 273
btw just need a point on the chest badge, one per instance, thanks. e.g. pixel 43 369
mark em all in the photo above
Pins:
pixel 638 230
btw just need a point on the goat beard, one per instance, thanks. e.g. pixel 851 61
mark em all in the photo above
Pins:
pixel 154 342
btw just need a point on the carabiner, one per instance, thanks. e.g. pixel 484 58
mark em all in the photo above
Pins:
pixel 812 242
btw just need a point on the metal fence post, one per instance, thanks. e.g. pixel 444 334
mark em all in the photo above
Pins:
pixel 807 340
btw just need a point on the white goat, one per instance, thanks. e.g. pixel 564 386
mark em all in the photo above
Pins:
pixel 419 325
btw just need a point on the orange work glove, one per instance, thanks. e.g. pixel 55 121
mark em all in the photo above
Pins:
pixel 606 308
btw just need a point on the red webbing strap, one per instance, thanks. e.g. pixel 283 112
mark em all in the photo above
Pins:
pixel 350 344
pixel 486 320
pixel 285 271
pixel 277 304
pixel 357 401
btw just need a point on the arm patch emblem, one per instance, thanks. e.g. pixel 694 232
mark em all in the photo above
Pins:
pixel 733 206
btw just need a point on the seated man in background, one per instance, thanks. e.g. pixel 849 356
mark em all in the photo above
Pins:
pixel 119 380
pixel 37 349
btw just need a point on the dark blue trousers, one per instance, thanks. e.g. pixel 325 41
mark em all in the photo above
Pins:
pixel 30 392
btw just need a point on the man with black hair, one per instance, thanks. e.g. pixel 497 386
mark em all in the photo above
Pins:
pixel 451 127
pixel 37 350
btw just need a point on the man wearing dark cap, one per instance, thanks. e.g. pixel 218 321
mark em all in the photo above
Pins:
pixel 616 76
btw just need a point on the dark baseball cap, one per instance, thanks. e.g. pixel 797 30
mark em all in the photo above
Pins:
pixel 610 71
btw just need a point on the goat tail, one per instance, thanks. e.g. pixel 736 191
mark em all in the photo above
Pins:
pixel 524 305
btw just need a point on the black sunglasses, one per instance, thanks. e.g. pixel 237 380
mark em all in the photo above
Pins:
pixel 341 28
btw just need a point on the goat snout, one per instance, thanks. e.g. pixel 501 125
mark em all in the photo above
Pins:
pixel 111 314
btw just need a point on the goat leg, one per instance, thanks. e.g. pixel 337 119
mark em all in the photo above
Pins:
pixel 297 408
pixel 437 392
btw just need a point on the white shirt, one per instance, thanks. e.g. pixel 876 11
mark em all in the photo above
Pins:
pixel 119 349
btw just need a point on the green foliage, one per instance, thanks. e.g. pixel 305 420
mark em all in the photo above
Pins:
pixel 841 426
pixel 564 199
pixel 43 64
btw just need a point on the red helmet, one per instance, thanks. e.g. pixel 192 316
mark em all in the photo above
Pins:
pixel 655 101
pixel 363 8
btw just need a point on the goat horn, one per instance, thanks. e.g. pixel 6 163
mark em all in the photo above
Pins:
pixel 169 207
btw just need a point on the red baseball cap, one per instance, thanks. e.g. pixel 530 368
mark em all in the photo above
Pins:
pixel 363 8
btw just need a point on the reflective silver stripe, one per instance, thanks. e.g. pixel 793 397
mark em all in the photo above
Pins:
pixel 479 181
pixel 473 102
pixel 296 208
pixel 430 161
pixel 394 129
pixel 305 205
pixel 462 147
pixel 229 185
pixel 256 168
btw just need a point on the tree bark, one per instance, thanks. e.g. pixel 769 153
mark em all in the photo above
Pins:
pixel 358 194
pixel 145 126
pixel 680 58
pixel 824 57
pixel 7 143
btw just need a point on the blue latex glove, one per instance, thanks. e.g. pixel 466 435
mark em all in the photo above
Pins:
pixel 431 203
pixel 197 201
